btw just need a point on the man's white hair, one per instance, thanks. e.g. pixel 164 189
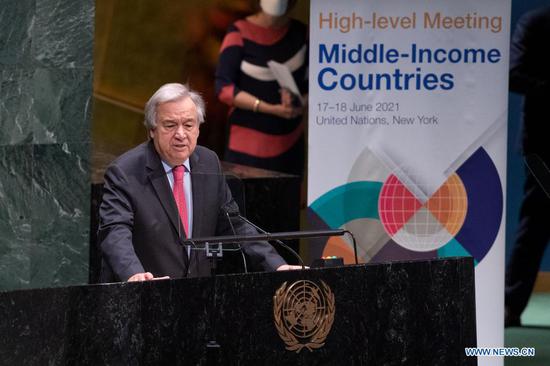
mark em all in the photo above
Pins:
pixel 169 93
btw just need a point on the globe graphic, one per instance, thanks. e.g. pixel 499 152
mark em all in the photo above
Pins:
pixel 304 309
pixel 422 226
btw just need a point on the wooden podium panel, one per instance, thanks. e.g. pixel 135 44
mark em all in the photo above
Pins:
pixel 400 313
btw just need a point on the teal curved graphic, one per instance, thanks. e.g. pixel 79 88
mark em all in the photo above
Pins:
pixel 454 249
pixel 348 202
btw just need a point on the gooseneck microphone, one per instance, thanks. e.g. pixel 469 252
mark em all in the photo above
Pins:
pixel 232 210
pixel 238 244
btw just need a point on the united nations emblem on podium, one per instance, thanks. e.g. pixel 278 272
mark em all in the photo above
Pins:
pixel 303 313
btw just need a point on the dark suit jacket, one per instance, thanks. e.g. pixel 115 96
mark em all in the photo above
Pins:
pixel 530 75
pixel 139 228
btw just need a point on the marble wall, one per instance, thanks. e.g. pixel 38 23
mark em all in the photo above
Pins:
pixel 46 64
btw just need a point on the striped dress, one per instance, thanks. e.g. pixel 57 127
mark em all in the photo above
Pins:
pixel 258 139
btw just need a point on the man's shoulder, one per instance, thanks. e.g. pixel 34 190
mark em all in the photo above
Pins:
pixel 133 158
pixel 204 159
pixel 204 152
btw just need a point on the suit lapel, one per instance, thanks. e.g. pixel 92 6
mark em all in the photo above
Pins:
pixel 159 181
pixel 197 181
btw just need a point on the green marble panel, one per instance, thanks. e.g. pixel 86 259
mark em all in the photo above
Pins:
pixel 16 106
pixel 63 33
pixel 60 215
pixel 16 23
pixel 62 105
pixel 46 63
pixel 15 216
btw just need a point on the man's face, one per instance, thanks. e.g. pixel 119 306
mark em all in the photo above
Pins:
pixel 177 130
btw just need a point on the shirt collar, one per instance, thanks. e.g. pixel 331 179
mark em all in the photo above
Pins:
pixel 168 168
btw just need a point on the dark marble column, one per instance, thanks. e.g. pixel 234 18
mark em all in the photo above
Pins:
pixel 46 64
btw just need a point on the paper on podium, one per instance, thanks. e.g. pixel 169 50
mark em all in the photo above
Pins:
pixel 284 78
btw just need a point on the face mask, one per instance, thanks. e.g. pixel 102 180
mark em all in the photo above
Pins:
pixel 275 8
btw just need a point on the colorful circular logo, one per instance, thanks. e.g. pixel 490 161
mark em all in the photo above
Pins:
pixel 462 217
pixel 422 226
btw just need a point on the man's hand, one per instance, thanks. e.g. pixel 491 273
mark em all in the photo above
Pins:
pixel 147 276
pixel 289 267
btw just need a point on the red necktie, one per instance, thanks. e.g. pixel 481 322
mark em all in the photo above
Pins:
pixel 179 196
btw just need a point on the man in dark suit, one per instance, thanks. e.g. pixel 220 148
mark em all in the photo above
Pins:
pixel 530 76
pixel 148 207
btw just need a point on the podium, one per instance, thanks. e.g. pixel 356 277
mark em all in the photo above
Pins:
pixel 399 313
